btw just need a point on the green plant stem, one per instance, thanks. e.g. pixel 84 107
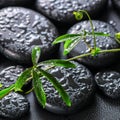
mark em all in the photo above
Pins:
pixel 79 56
pixel 110 50
pixel 91 26
pixel 84 38
pixel 88 54
pixel 70 59
pixel 29 91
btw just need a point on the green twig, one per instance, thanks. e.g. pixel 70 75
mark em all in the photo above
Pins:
pixel 84 11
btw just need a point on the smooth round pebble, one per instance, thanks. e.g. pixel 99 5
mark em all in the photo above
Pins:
pixel 13 106
pixel 62 10
pixel 21 29
pixel 102 42
pixel 109 83
pixel 9 75
pixel 77 82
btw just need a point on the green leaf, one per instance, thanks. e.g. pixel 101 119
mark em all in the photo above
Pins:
pixel 78 15
pixel 61 63
pixel 22 79
pixel 36 51
pixel 99 34
pixel 95 51
pixel 117 37
pixel 70 44
pixel 38 89
pixel 66 37
pixel 6 91
pixel 57 86
pixel 1 85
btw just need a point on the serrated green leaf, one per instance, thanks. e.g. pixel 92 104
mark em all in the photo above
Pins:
pixel 57 86
pixel 38 89
pixel 22 79
pixel 6 91
pixel 66 37
pixel 78 15
pixel 61 63
pixel 70 44
pixel 36 51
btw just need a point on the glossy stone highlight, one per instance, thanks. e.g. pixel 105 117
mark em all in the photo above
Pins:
pixel 104 43
pixel 77 82
pixel 21 29
pixel 9 75
pixel 13 106
pixel 109 83
pixel 62 10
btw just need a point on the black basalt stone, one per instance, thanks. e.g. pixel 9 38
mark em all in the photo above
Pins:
pixel 77 82
pixel 13 106
pixel 9 75
pixel 21 29
pixel 101 60
pixel 5 3
pixel 109 83
pixel 62 10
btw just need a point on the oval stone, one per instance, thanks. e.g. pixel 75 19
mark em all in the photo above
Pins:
pixel 109 83
pixel 21 29
pixel 102 42
pixel 62 10
pixel 77 82
pixel 14 106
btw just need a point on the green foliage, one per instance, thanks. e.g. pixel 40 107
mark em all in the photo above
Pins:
pixel 35 73
pixel 57 86
pixel 66 37
pixel 1 85
pixel 36 51
pixel 61 63
pixel 69 45
pixel 78 15
pixel 95 51
pixel 117 37
pixel 38 88
pixel 6 91
pixel 22 79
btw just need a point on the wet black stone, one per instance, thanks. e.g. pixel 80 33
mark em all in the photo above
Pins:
pixel 62 10
pixel 21 29
pixel 4 3
pixel 77 82
pixel 109 83
pixel 9 75
pixel 13 106
pixel 116 4
pixel 101 60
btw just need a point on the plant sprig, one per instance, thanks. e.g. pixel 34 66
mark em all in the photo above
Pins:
pixel 35 72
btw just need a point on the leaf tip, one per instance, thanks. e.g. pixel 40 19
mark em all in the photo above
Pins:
pixel 69 104
pixel 54 42
pixel 73 66
pixel 65 52
pixel 1 85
